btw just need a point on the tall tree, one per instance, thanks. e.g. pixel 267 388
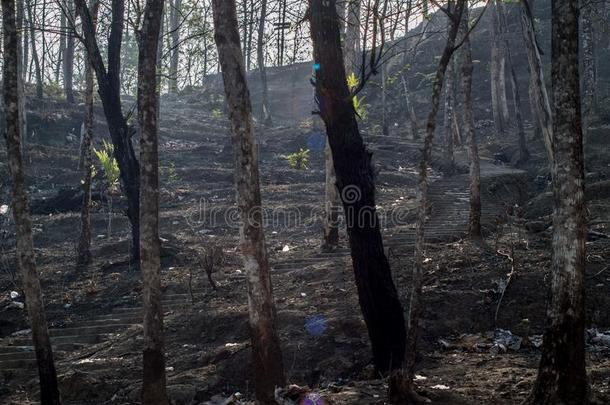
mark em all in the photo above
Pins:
pixel 541 108
pixel 68 57
pixel 260 60
pixel 154 380
pixel 474 218
pixel 83 253
pixel 402 389
pixel 497 69
pixel 377 294
pixel 266 352
pixel 562 378
pixel 49 393
pixel 588 62
pixel 175 14
pixel 449 117
pixel 110 94
pixel 35 58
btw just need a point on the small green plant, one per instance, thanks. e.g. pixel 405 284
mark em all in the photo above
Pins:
pixel 217 113
pixel 172 173
pixel 359 106
pixel 299 160
pixel 112 173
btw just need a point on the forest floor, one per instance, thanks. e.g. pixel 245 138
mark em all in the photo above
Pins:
pixel 484 303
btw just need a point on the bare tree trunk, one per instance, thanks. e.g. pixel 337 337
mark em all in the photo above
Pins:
pixel 498 80
pixel 268 368
pixel 49 394
pixel 83 255
pixel 154 380
pixel 401 386
pixel 474 221
pixel 331 222
pixel 448 120
pixel 69 56
pixel 562 378
pixel 588 63
pixel 385 126
pixel 175 16
pixel 38 71
pixel 260 57
pixel 109 90
pixel 377 294
pixel 523 152
pixel 542 109
pixel 352 38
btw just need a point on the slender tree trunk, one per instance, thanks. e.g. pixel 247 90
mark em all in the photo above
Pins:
pixel 377 294
pixel 331 222
pixel 352 38
pixel 448 119
pixel 69 57
pixel 109 90
pixel 562 378
pixel 385 127
pixel 268 369
pixel 498 80
pixel 523 152
pixel 38 71
pixel 260 56
pixel 413 122
pixel 154 380
pixel 401 387
pixel 61 52
pixel 83 256
pixel 175 16
pixel 25 60
pixel 49 394
pixel 474 221
pixel 542 109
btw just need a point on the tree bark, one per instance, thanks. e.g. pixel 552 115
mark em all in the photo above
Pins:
pixel 562 377
pixel 377 294
pixel 154 380
pixel 38 70
pixel 541 108
pixel 49 394
pixel 268 369
pixel 109 90
pixel 498 79
pixel 260 56
pixel 352 38
pixel 174 12
pixel 474 221
pixel 448 120
pixel 83 254
pixel 401 385
pixel 68 60
pixel 588 63
pixel 524 154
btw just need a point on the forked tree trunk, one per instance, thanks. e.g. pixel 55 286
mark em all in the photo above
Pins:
pixel 268 368
pixel 68 60
pixel 260 60
pixel 542 108
pixel 401 386
pixel 49 394
pixel 562 378
pixel 153 381
pixel 523 152
pixel 377 294
pixel 474 218
pixel 109 90
pixel 83 253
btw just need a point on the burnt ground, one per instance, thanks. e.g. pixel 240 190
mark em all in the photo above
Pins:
pixel 94 314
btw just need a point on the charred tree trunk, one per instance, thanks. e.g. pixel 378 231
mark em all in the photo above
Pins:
pixel 498 80
pixel 474 221
pixel 260 56
pixel 268 369
pixel 83 254
pixel 68 60
pixel 174 13
pixel 49 394
pixel 541 108
pixel 562 378
pixel 109 90
pixel 523 152
pixel 588 63
pixel 154 380
pixel 37 68
pixel 352 38
pixel 377 294
pixel 401 387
